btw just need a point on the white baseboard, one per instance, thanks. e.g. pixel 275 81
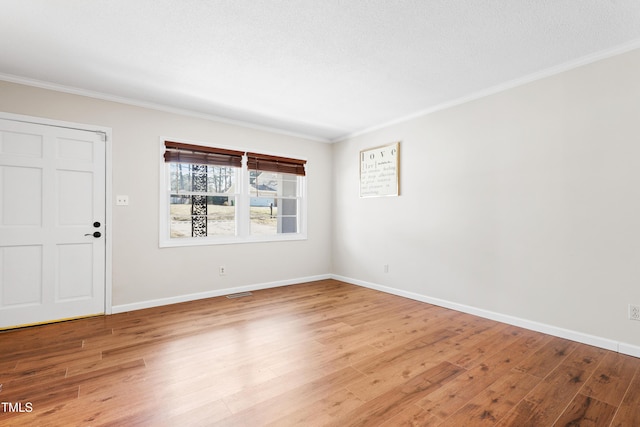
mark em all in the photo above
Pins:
pixel 213 293
pixel 607 344
pixel 631 350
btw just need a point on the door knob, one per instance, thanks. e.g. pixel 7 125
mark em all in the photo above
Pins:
pixel 96 234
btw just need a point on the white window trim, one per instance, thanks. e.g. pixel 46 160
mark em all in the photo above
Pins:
pixel 242 212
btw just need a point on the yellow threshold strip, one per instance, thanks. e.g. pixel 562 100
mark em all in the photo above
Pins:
pixel 47 322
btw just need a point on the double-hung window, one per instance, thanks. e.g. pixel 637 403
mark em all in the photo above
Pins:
pixel 217 195
pixel 275 187
pixel 203 193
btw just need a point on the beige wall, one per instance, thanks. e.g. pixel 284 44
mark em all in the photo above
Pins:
pixel 525 203
pixel 143 272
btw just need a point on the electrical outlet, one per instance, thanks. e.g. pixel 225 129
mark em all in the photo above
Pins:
pixel 222 270
pixel 386 268
pixel 634 312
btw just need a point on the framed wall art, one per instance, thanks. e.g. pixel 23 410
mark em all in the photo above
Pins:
pixel 380 171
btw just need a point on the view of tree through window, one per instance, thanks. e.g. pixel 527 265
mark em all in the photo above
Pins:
pixel 202 196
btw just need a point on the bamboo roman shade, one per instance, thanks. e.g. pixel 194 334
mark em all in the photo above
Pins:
pixel 267 163
pixel 178 152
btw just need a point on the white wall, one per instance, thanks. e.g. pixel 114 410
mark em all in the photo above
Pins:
pixel 141 271
pixel 525 203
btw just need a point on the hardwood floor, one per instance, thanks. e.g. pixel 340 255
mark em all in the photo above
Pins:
pixel 321 353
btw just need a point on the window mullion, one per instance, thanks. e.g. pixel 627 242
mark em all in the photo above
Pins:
pixel 242 211
pixel 165 211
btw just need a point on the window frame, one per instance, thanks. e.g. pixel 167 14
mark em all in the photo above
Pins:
pixel 243 216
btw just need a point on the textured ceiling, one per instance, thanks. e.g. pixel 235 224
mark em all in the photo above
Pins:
pixel 324 69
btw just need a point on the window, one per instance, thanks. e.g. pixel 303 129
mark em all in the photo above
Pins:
pixel 202 200
pixel 275 196
pixel 217 195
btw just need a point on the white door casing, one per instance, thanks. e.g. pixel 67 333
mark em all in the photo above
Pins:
pixel 52 201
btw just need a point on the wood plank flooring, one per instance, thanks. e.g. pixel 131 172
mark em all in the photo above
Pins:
pixel 313 354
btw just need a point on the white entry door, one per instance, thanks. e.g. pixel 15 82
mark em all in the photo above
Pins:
pixel 52 223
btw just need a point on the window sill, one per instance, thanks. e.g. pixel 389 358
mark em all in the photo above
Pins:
pixel 231 240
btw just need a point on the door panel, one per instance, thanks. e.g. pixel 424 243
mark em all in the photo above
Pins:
pixel 18 210
pixel 73 280
pixel 22 144
pixel 21 280
pixel 74 187
pixel 52 183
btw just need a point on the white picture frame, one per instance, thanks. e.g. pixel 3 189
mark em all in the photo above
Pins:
pixel 380 171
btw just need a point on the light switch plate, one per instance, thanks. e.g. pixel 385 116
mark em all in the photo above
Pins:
pixel 122 200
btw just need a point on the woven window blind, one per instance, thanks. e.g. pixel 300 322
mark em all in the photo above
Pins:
pixel 178 152
pixel 263 162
